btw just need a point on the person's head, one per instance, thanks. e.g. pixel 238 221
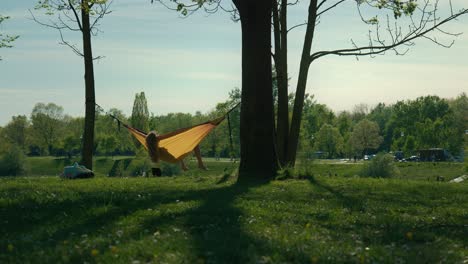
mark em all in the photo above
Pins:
pixel 152 143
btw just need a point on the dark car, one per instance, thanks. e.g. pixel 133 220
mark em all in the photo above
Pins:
pixel 413 158
pixel 399 155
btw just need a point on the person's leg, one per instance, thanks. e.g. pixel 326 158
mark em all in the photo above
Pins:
pixel 199 159
pixel 182 165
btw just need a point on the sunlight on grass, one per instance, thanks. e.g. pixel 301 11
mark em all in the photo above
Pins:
pixel 197 218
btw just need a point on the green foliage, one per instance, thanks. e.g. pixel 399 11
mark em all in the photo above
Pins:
pixel 329 139
pixel 6 40
pixel 365 136
pixel 313 118
pixel 106 126
pixel 50 7
pixel 12 161
pixel 408 125
pixel 169 169
pixel 71 145
pixel 140 113
pixel 398 7
pixel 286 173
pixel 430 120
pixel 107 145
pixel 15 131
pixel 381 166
pixel 47 124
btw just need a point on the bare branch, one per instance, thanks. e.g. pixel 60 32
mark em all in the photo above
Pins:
pixel 103 10
pixel 321 3
pixel 416 29
pixel 328 8
pixel 296 26
pixel 66 25
pixel 63 19
pixel 71 46
pixel 295 3
pixel 76 14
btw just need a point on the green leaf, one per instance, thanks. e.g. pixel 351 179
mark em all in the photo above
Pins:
pixel 180 7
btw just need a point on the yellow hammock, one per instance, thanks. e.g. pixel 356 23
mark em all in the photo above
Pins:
pixel 175 146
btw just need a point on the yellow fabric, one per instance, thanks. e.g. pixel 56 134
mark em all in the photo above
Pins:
pixel 178 145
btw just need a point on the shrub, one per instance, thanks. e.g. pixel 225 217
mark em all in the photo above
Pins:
pixel 286 173
pixel 169 169
pixel 294 173
pixel 382 165
pixel 12 162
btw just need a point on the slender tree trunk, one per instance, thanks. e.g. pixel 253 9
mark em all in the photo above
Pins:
pixel 88 137
pixel 281 64
pixel 301 85
pixel 258 155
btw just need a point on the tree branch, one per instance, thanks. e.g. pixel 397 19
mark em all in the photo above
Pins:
pixel 76 14
pixel 71 46
pixel 416 30
pixel 103 10
pixel 328 8
pixel 188 7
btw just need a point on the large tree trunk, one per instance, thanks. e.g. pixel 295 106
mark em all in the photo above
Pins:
pixel 301 85
pixel 88 137
pixel 258 155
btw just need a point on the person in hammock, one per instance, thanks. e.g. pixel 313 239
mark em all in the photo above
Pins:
pixel 152 142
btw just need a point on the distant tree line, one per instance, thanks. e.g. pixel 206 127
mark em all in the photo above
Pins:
pixel 48 131
pixel 426 122
pixel 410 125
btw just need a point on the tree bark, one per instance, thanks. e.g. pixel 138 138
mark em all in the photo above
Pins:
pixel 301 85
pixel 88 137
pixel 282 76
pixel 258 154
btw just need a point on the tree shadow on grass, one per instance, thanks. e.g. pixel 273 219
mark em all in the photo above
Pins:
pixel 391 225
pixel 215 227
pixel 349 202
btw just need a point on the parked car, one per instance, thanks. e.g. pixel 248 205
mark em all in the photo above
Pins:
pixel 413 158
pixel 369 157
pixel 434 154
pixel 399 155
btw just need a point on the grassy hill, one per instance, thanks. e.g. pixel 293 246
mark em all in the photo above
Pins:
pixel 205 217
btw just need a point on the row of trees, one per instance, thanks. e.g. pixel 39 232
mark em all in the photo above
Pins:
pixel 48 131
pixel 407 125
pixel 425 122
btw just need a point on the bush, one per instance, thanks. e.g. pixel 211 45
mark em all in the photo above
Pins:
pixel 382 165
pixel 12 162
pixel 169 169
pixel 294 173
pixel 286 174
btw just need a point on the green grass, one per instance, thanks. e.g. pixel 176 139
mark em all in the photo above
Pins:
pixel 205 217
pixel 427 171
pixel 102 166
pixel 44 166
pixel 431 170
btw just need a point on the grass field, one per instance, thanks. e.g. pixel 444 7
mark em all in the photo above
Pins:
pixel 205 217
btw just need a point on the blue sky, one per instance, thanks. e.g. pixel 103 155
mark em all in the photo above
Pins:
pixel 190 64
